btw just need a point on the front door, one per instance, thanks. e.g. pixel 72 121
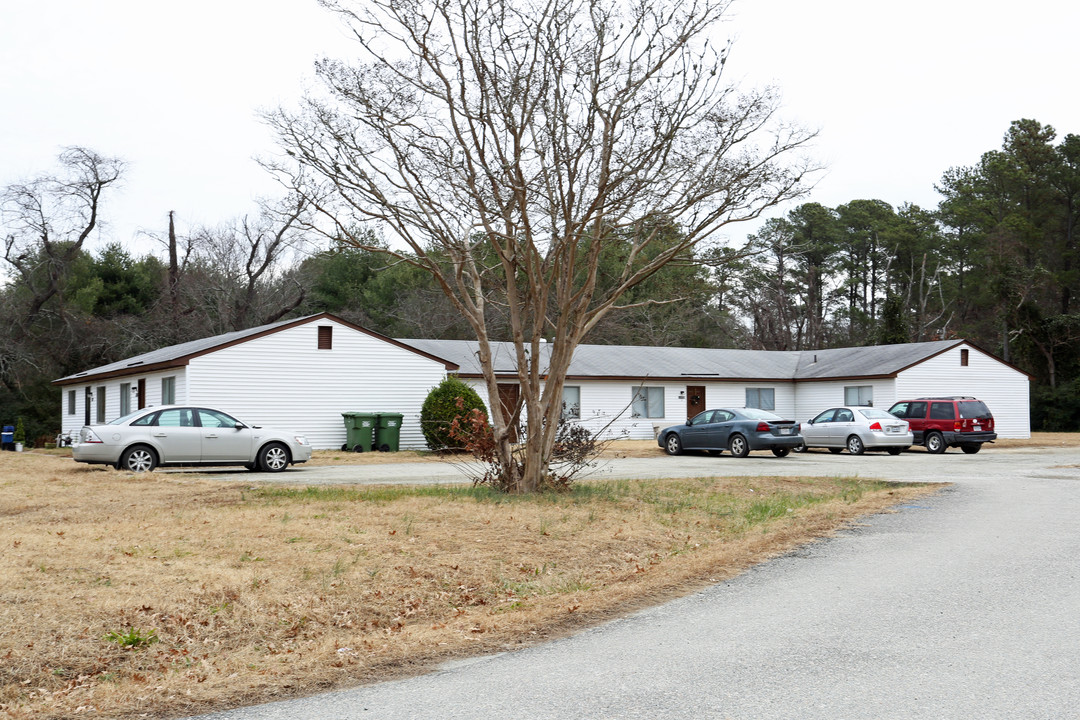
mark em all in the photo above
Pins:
pixel 509 397
pixel 695 399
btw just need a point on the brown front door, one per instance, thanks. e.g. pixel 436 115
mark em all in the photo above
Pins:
pixel 509 397
pixel 142 393
pixel 695 400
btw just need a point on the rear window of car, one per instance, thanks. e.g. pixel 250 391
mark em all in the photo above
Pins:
pixel 974 409
pixel 875 413
pixel 755 414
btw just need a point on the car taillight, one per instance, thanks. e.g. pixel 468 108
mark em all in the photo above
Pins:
pixel 763 427
pixel 876 426
pixel 89 436
pixel 958 425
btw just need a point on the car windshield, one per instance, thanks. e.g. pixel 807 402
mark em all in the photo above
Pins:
pixel 125 419
pixel 755 414
pixel 974 409
pixel 876 413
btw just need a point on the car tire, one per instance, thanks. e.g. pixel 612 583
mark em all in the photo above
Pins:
pixel 781 452
pixel 836 451
pixel 935 443
pixel 895 450
pixel 138 458
pixel 738 446
pixel 855 445
pixel 800 448
pixel 273 457
pixel 672 444
pixel 971 448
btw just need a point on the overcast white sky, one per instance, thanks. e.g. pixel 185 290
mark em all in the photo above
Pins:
pixel 899 91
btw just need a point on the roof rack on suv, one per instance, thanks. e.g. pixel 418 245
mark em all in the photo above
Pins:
pixel 948 397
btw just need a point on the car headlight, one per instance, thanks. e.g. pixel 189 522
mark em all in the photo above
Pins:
pixel 300 440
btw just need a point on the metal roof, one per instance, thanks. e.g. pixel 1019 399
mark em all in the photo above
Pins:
pixel 632 361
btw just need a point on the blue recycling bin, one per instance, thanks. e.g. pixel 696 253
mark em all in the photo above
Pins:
pixel 7 437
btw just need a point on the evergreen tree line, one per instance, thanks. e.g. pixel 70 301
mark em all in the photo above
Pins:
pixel 996 263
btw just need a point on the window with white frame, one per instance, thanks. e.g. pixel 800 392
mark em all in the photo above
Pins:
pixel 168 390
pixel 571 402
pixel 859 395
pixel 125 399
pixel 71 402
pixel 100 397
pixel 761 398
pixel 648 402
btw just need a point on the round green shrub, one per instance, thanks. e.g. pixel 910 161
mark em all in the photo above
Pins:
pixel 442 406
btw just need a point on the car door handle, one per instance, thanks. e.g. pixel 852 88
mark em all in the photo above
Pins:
pixel 161 434
pixel 211 435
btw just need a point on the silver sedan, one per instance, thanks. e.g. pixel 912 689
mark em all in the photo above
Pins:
pixel 181 435
pixel 857 429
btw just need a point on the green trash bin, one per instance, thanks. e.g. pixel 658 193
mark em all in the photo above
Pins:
pixel 388 432
pixel 359 431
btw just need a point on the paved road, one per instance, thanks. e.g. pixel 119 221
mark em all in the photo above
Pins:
pixel 963 605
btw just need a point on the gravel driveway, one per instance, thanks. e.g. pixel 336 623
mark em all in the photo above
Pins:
pixel 963 605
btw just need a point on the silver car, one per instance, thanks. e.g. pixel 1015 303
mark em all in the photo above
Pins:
pixel 183 435
pixel 857 429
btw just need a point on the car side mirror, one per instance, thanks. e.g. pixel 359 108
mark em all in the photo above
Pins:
pixel 239 426
pixel 689 421
pixel 810 421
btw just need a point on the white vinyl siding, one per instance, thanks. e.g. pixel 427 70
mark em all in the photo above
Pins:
pixel 283 380
pixel 1004 390
pixel 72 422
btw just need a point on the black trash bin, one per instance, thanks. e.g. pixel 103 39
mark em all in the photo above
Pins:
pixel 388 432
pixel 359 431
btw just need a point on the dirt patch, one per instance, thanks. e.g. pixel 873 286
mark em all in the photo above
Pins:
pixel 163 595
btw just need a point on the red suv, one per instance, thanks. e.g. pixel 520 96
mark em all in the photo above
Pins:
pixel 944 422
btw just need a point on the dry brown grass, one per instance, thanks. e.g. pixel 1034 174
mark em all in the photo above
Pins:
pixel 256 592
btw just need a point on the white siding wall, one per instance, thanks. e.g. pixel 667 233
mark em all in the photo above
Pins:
pixel 813 397
pixel 71 423
pixel 284 380
pixel 608 401
pixel 1003 389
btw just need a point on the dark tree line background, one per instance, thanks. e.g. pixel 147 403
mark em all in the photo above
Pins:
pixel 997 262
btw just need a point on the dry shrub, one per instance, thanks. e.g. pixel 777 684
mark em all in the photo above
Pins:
pixel 256 592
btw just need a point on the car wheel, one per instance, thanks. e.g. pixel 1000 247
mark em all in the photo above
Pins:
pixel 738 446
pixel 855 445
pixel 672 444
pixel 836 451
pixel 895 450
pixel 971 448
pixel 800 448
pixel 781 452
pixel 138 459
pixel 273 457
pixel 935 443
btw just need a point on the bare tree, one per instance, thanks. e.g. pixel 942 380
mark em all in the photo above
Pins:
pixel 47 221
pixel 503 143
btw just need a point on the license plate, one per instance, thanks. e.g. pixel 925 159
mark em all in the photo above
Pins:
pixel 977 427
pixel 785 431
pixel 894 429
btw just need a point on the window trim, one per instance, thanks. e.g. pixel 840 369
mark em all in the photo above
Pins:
pixel 859 395
pixel 325 339
pixel 645 393
pixel 963 357
pixel 759 403
pixel 169 397
pixel 571 411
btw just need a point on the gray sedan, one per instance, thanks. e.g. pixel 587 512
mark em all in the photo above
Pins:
pixel 179 435
pixel 736 430
pixel 857 429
